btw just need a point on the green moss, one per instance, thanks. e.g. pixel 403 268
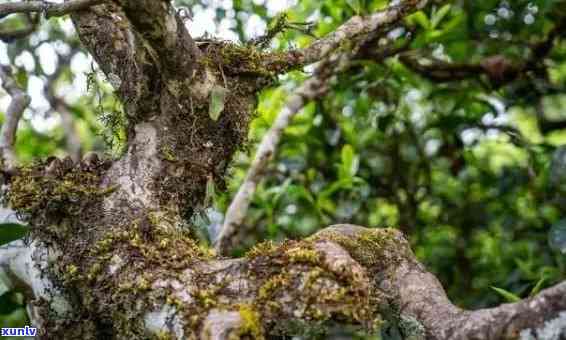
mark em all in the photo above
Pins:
pixel 261 249
pixel 246 60
pixel 303 255
pixel 271 285
pixel 55 188
pixel 251 323
pixel 163 335
pixel 168 153
pixel 372 248
pixel 206 298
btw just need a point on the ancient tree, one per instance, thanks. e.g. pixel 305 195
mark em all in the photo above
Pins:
pixel 108 256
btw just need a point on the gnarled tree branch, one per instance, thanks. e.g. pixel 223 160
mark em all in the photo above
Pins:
pixel 355 28
pixel 115 232
pixel 344 273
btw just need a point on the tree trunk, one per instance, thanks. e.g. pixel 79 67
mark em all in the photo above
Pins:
pixel 113 254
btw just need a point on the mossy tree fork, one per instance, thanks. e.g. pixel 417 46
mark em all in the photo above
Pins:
pixel 107 257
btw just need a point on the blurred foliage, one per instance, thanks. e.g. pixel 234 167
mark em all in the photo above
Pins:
pixel 470 172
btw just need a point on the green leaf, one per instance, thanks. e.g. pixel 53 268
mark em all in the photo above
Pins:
pixel 350 162
pixel 11 231
pixel 9 302
pixel 508 296
pixel 536 289
pixel 439 15
pixel 356 5
pixel 210 194
pixel 22 78
pixel 421 19
pixel 217 101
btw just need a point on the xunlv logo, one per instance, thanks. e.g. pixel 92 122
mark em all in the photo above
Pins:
pixel 25 331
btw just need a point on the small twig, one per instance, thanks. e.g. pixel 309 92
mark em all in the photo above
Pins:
pixel 20 101
pixel 280 24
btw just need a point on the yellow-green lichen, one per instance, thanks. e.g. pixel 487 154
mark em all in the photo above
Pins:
pixel 251 323
pixel 55 188
pixel 261 249
pixel 303 255
pixel 372 248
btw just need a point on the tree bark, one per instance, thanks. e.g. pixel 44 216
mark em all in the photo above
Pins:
pixel 112 253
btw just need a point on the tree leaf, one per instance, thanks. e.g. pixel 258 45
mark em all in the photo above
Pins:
pixel 22 78
pixel 217 101
pixel 439 15
pixel 421 19
pixel 536 289
pixel 508 296
pixel 350 162
pixel 11 231
pixel 356 5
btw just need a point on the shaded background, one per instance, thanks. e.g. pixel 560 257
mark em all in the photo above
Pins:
pixel 473 173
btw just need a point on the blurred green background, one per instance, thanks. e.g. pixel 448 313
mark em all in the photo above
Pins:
pixel 474 174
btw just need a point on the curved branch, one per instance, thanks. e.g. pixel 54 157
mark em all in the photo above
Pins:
pixel 20 101
pixel 352 29
pixel 499 69
pixel 419 294
pixel 50 9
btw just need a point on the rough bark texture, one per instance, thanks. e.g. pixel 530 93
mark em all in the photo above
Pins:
pixel 114 256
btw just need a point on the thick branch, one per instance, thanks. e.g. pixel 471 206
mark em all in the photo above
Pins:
pixel 129 65
pixel 499 69
pixel 20 100
pixel 50 9
pixel 356 27
pixel 164 30
pixel 345 273
pixel 418 294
